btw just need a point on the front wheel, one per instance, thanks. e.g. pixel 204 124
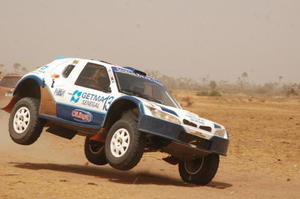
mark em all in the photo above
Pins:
pixel 25 126
pixel 124 145
pixel 199 171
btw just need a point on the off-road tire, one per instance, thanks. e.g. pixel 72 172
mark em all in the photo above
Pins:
pixel 135 149
pixel 95 152
pixel 25 132
pixel 202 174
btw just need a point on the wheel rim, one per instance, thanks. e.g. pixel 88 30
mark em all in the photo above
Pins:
pixel 193 166
pixel 119 143
pixel 21 120
pixel 95 148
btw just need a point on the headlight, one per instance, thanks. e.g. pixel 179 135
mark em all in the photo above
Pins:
pixel 163 115
pixel 221 133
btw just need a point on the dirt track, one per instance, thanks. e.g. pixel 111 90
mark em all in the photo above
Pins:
pixel 263 160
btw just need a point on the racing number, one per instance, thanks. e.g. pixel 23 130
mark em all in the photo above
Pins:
pixel 107 103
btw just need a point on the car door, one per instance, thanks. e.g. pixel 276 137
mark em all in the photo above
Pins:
pixel 88 98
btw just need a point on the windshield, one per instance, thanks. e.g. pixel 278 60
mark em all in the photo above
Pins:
pixel 144 88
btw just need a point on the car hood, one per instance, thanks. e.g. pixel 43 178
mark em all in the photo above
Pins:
pixel 187 118
pixel 191 119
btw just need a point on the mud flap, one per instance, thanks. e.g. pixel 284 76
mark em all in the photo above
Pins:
pixel 100 136
pixel 7 101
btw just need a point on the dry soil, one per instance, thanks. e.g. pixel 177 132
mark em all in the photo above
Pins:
pixel 263 159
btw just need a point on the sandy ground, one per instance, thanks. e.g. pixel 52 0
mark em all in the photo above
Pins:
pixel 263 159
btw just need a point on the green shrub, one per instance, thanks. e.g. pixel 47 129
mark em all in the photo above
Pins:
pixel 211 93
pixel 291 92
pixel 202 93
pixel 215 93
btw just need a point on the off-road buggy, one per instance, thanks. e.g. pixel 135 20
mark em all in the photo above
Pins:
pixel 121 111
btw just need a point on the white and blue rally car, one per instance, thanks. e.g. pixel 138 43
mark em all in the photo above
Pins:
pixel 121 111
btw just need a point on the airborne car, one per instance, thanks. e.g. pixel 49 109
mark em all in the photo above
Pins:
pixel 121 111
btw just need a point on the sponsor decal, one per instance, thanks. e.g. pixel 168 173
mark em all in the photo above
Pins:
pixel 59 92
pixel 197 120
pixel 76 96
pixel 81 115
pixel 9 94
pixel 194 118
pixel 92 100
pixel 42 69
pixel 75 62
pixel 130 72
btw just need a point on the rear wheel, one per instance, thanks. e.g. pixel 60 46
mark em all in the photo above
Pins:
pixel 25 126
pixel 199 171
pixel 94 152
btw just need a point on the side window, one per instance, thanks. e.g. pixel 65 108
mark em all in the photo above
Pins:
pixel 68 70
pixel 94 76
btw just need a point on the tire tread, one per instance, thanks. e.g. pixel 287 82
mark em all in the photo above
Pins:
pixel 205 175
pixel 35 126
pixel 137 150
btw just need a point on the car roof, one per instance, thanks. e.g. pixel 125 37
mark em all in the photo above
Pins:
pixel 124 69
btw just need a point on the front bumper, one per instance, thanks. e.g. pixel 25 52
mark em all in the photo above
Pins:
pixel 181 139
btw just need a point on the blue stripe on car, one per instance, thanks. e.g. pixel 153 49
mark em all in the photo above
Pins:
pixel 130 72
pixel 83 125
pixel 169 111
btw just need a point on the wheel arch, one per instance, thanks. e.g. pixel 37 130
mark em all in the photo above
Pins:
pixel 119 106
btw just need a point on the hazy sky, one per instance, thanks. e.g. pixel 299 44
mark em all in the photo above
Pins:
pixel 191 38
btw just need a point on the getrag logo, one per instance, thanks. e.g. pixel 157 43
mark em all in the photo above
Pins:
pixel 76 96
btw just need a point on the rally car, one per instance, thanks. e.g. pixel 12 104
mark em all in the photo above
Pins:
pixel 122 113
